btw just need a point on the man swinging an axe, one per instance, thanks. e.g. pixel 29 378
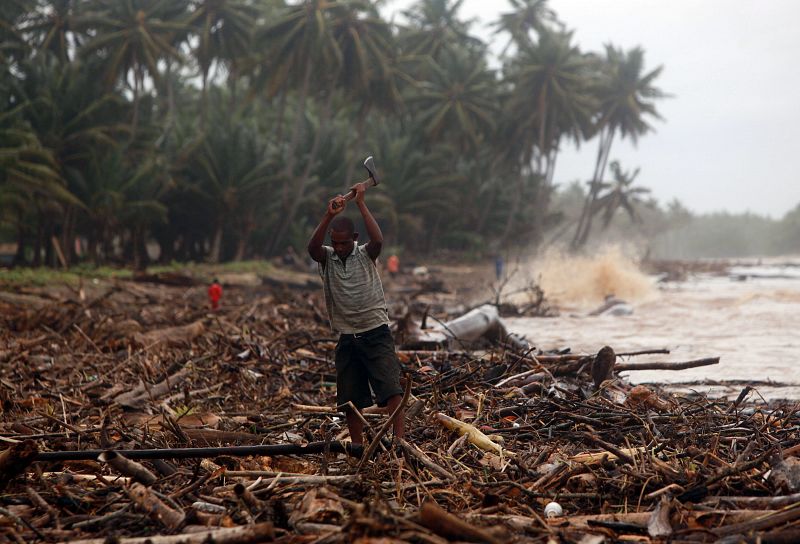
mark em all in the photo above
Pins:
pixel 365 354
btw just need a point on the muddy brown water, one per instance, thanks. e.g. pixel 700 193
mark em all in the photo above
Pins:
pixel 753 325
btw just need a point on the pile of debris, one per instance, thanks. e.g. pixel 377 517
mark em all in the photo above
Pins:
pixel 132 414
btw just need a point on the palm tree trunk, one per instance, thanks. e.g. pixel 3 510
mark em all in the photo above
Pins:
pixel 277 241
pixel 216 244
pixel 351 164
pixel 204 101
pixel 19 254
pixel 297 129
pixel 281 115
pixel 587 216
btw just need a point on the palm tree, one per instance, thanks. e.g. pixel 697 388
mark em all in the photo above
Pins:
pixel 626 96
pixel 528 16
pixel 52 28
pixel 13 46
pixel 620 194
pixel 550 97
pixel 73 116
pixel 434 27
pixel 458 102
pixel 132 36
pixel 224 29
pixel 232 171
pixel 369 74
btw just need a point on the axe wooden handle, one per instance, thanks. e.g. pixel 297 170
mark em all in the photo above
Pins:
pixel 352 194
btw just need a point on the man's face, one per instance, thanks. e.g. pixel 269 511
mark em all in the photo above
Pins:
pixel 343 243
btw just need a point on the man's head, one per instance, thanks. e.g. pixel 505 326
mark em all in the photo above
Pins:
pixel 343 236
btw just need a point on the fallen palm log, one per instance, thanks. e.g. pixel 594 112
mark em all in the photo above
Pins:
pixel 619 367
pixel 259 532
pixel 199 453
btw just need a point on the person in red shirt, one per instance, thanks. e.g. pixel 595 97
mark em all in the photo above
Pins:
pixel 393 265
pixel 214 293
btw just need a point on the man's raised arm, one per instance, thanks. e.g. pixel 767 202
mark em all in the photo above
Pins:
pixel 335 206
pixel 373 230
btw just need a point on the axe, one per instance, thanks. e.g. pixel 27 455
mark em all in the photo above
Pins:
pixel 369 164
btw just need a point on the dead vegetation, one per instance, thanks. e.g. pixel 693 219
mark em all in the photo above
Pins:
pixel 132 414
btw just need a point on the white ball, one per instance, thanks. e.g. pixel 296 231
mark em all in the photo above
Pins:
pixel 553 510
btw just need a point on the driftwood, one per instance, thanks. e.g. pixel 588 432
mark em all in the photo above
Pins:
pixel 248 534
pixel 197 453
pixel 127 467
pixel 451 527
pixel 667 366
pixel 154 507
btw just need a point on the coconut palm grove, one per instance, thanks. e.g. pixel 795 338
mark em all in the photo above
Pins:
pixel 216 130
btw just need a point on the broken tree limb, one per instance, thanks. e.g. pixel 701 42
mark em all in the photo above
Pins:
pixel 246 534
pixel 451 527
pixel 666 366
pixel 198 453
pixel 135 470
pixel 138 397
pixel 154 507
pixel 425 460
pixel 474 435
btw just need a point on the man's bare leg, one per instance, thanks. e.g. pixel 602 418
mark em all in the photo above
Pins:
pixel 355 426
pixel 399 421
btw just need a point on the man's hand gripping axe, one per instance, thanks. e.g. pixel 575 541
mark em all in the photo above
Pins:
pixel 373 179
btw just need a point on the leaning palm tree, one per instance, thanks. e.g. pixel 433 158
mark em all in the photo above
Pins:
pixel 626 96
pixel 550 97
pixel 620 193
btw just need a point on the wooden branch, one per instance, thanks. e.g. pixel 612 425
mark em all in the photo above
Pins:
pixel 474 435
pixel 199 453
pixel 247 534
pixel 425 460
pixel 451 527
pixel 385 427
pixel 135 470
pixel 154 507
pixel 619 367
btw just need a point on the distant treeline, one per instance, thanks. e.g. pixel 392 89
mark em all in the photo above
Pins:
pixel 217 130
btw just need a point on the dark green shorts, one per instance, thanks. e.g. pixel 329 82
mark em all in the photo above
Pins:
pixel 363 360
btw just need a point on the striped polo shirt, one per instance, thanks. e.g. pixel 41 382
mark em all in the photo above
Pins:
pixel 353 291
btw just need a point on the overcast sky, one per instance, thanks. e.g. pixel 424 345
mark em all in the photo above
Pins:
pixel 730 139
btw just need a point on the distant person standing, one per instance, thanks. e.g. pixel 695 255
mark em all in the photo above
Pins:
pixel 499 265
pixel 393 265
pixel 214 294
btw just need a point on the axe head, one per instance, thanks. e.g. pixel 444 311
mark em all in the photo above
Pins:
pixel 369 164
